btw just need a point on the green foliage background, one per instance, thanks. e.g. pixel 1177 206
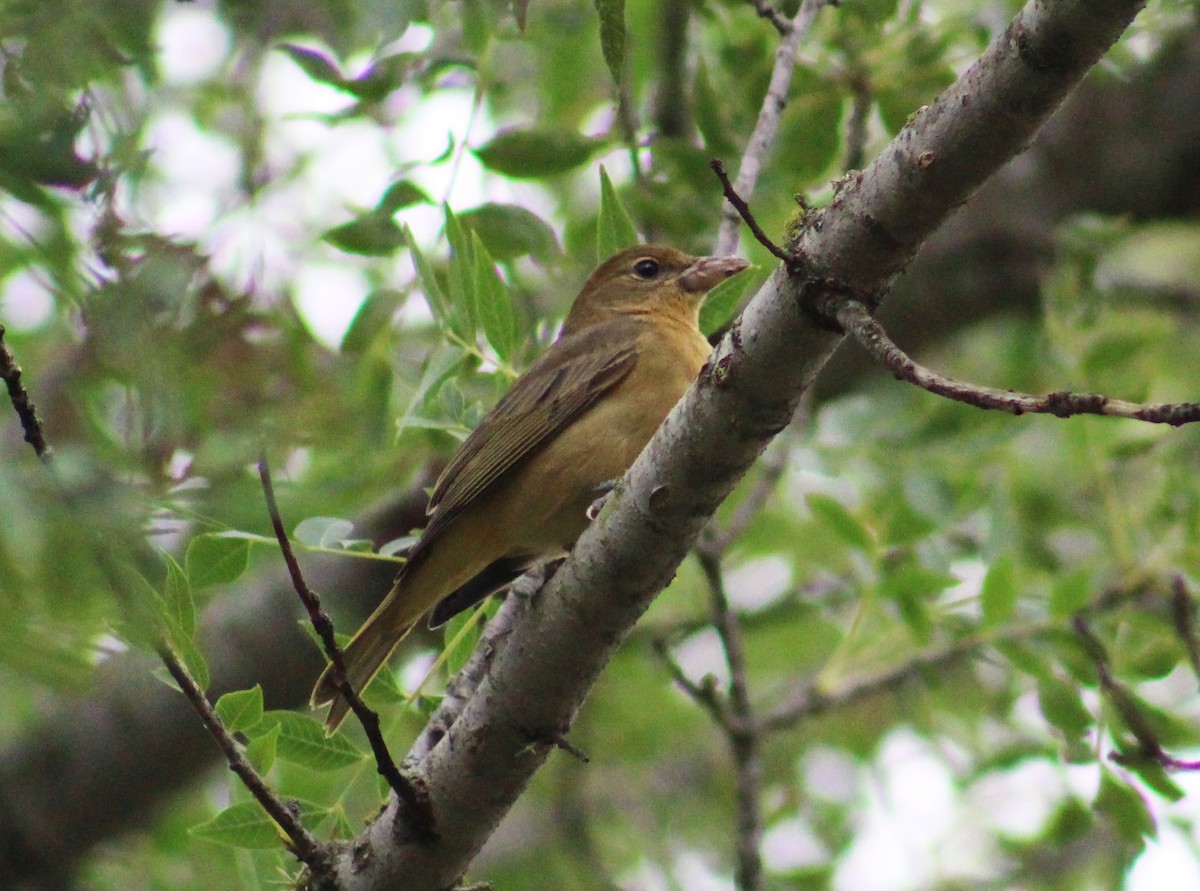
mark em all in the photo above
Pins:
pixel 928 555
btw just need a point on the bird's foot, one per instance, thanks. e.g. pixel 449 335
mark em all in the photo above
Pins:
pixel 603 490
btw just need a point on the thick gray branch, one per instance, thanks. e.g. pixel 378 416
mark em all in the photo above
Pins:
pixel 543 671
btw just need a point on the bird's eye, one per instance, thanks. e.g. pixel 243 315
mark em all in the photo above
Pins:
pixel 646 268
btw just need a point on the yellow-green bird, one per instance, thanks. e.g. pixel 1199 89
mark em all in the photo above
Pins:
pixel 518 489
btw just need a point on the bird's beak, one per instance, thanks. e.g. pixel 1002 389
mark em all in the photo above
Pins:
pixel 708 272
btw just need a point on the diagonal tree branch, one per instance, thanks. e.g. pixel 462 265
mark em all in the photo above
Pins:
pixel 541 675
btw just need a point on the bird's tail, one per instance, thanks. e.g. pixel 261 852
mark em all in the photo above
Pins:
pixel 366 653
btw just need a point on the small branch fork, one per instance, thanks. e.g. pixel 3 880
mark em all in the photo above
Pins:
pixel 406 790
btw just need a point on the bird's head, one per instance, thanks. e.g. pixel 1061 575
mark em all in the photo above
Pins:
pixel 649 278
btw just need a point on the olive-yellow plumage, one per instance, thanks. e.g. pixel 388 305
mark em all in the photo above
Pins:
pixel 517 491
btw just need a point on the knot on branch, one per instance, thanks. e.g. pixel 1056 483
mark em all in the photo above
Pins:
pixel 822 297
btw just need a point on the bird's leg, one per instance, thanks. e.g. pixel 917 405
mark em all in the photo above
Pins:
pixel 602 492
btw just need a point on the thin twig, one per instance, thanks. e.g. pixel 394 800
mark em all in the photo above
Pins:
pixel 406 790
pixel 302 843
pixel 857 322
pixel 1127 707
pixel 703 694
pixel 812 701
pixel 766 128
pixel 26 410
pixel 742 731
pixel 766 11
pixel 1183 610
pixel 300 840
pixel 745 213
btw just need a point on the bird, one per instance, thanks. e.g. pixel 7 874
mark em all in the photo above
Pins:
pixel 518 490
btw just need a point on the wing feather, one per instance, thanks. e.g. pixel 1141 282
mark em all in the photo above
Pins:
pixel 559 387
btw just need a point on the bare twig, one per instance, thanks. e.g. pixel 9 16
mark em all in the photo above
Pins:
pixel 857 321
pixel 406 790
pixel 1127 707
pixel 811 701
pixel 703 694
pixel 26 410
pixel 766 11
pixel 743 210
pixel 762 139
pixel 745 737
pixel 1183 610
pixel 300 840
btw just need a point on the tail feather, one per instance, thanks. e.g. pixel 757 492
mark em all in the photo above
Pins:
pixel 365 655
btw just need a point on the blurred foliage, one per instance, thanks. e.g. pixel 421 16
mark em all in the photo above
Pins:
pixel 926 554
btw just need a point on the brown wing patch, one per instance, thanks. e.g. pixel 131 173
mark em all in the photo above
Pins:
pixel 559 387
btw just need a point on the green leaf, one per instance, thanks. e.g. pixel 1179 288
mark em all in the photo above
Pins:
pixel 239 710
pixel 510 231
pixel 614 228
pixel 457 657
pixel 912 587
pixel 383 691
pixel 841 522
pixel 998 595
pixel 262 749
pixel 373 317
pixel 384 75
pixel 179 600
pixel 905 524
pixel 440 365
pixel 302 740
pixel 1061 706
pixel 323 532
pixel 1071 593
pixel 721 302
pixel 461 279
pixel 315 64
pixel 612 36
pixel 372 234
pixel 187 652
pixel 400 195
pixel 216 559
pixel 537 151
pixel 1125 809
pixel 1151 772
pixel 434 296
pixel 247 825
pixel 494 304
pixel 244 825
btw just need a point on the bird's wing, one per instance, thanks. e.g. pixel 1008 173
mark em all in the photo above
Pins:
pixel 559 387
